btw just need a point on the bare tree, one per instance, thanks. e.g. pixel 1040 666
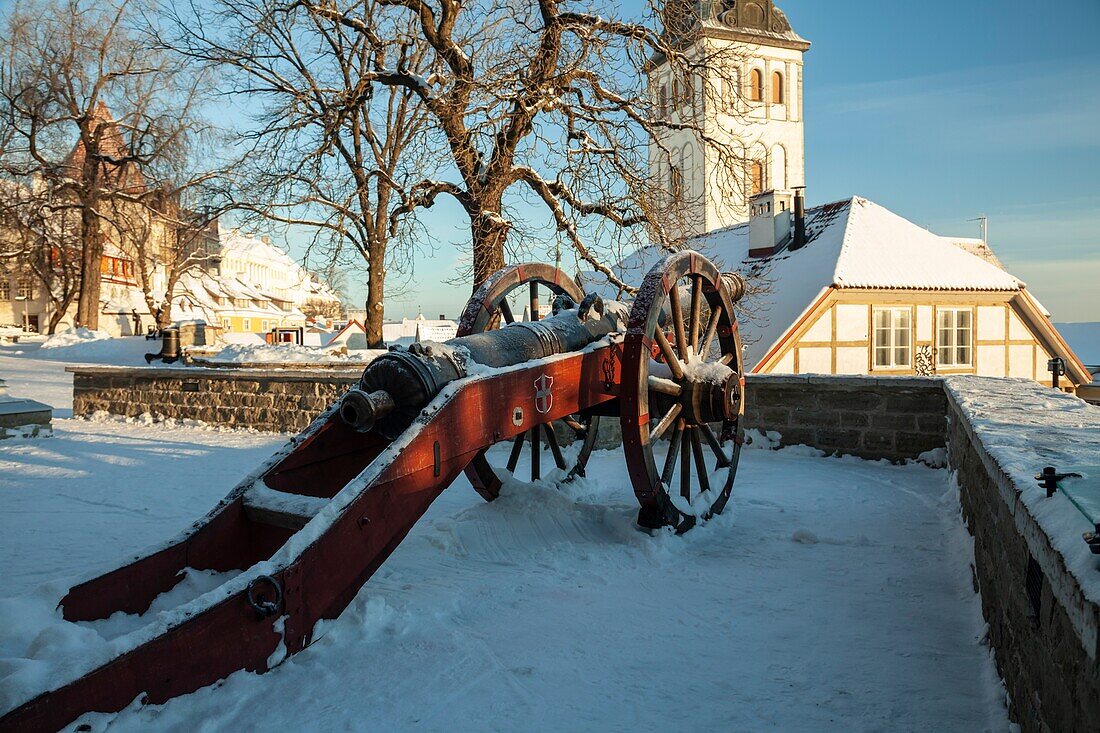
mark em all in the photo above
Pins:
pixel 556 104
pixel 324 155
pixel 165 240
pixel 96 116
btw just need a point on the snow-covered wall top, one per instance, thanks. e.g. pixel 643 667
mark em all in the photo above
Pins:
pixel 1022 427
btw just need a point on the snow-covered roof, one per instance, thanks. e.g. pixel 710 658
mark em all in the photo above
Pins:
pixel 854 243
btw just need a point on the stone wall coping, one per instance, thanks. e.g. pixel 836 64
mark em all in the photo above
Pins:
pixel 288 375
pixel 320 366
pixel 842 380
pixel 993 412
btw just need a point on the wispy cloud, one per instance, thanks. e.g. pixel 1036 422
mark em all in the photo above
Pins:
pixel 1006 108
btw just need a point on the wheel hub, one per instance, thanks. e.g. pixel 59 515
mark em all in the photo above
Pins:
pixel 711 393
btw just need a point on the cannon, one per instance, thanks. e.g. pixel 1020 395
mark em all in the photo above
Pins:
pixel 300 535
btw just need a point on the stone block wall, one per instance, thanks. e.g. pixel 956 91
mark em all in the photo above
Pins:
pixel 1047 659
pixel 275 401
pixel 870 417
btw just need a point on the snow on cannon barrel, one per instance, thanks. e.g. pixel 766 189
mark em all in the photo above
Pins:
pixel 297 538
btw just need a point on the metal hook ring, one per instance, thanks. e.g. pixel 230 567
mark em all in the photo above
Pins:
pixel 260 604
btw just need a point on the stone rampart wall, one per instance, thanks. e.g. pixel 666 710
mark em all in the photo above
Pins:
pixel 870 417
pixel 269 400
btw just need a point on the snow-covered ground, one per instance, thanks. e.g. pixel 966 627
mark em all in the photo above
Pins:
pixel 834 594
pixel 38 373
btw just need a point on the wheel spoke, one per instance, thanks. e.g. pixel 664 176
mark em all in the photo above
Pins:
pixel 534 301
pixel 670 457
pixel 700 463
pixel 664 386
pixel 685 471
pixel 666 422
pixel 506 311
pixel 696 311
pixel 552 441
pixel 670 356
pixel 719 452
pixel 517 448
pixel 726 359
pixel 711 332
pixel 536 454
pixel 678 320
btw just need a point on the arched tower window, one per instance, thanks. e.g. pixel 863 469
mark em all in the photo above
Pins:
pixel 756 176
pixel 777 88
pixel 756 86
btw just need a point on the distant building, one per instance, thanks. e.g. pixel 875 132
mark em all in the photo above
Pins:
pixel 869 292
pixel 413 330
pixel 240 283
pixel 249 286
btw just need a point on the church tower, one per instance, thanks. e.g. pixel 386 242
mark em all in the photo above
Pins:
pixel 746 95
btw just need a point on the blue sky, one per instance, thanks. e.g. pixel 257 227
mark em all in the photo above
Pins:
pixel 940 111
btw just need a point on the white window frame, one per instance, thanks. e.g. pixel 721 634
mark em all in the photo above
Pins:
pixel 246 325
pixel 5 288
pixel 951 347
pixel 894 330
pixel 227 324
pixel 24 289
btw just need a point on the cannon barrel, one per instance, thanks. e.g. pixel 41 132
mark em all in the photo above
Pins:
pixel 396 386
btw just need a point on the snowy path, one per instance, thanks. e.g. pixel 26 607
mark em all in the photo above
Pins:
pixel 833 595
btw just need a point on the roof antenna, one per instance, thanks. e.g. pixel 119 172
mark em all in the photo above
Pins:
pixel 983 223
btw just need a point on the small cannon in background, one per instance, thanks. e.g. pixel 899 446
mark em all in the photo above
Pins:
pixel 303 533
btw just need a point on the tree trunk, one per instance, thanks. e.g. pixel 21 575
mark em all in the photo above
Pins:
pixel 59 313
pixel 91 277
pixel 376 292
pixel 164 314
pixel 489 231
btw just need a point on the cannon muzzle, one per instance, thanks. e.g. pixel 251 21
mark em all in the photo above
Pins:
pixel 361 410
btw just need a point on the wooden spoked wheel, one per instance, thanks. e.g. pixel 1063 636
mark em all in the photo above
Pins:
pixel 536 452
pixel 682 392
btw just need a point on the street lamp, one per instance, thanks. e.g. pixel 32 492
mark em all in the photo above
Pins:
pixel 1057 369
pixel 26 321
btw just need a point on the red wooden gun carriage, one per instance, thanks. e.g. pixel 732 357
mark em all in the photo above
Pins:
pixel 309 527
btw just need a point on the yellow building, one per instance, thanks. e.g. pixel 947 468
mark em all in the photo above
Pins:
pixel 868 292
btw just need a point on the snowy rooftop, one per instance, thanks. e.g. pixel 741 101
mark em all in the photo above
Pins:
pixel 854 243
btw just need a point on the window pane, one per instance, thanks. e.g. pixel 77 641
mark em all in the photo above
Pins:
pixel 964 319
pixel 882 357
